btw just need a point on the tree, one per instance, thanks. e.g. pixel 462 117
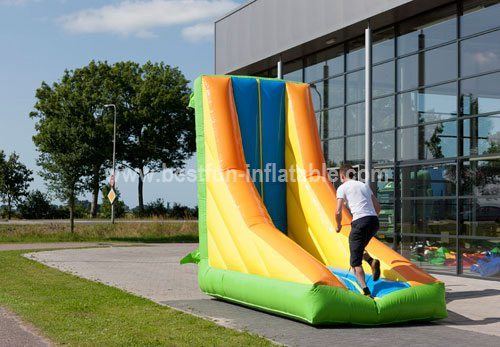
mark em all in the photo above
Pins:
pixel 16 178
pixel 157 128
pixel 36 206
pixel 63 140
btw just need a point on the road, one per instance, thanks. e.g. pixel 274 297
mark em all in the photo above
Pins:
pixel 154 272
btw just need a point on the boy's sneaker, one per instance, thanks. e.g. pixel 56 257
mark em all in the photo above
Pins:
pixel 366 292
pixel 375 269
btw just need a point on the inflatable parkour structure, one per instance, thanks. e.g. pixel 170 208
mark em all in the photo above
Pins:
pixel 271 244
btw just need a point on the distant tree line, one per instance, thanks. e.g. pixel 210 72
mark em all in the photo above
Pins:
pixel 155 129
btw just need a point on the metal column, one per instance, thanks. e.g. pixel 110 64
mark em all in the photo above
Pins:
pixel 279 67
pixel 368 105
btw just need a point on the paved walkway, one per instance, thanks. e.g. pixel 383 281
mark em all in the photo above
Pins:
pixel 25 246
pixel 154 272
pixel 15 333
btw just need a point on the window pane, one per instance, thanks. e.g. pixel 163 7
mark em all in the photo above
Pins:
pixel 383 79
pixel 383 46
pixel 324 64
pixel 481 94
pixel 481 178
pixel 440 65
pixel 383 113
pixel 385 195
pixel 334 154
pixel 428 142
pixel 434 216
pixel 355 150
pixel 428 105
pixel 333 126
pixel 356 54
pixel 383 147
pixel 431 253
pixel 427 30
pixel 480 217
pixel 428 180
pixel 408 73
pixel 355 86
pixel 427 67
pixel 477 256
pixel 293 71
pixel 481 135
pixel 480 54
pixel 335 91
pixel 355 118
pixel 480 18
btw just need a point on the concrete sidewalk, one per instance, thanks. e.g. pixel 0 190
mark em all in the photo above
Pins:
pixel 154 272
pixel 16 333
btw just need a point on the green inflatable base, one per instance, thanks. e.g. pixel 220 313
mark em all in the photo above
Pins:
pixel 323 305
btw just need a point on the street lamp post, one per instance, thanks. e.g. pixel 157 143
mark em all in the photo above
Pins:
pixel 114 160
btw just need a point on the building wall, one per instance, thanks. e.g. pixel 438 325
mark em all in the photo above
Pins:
pixel 436 128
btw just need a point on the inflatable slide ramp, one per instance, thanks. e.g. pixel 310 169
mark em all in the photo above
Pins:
pixel 268 240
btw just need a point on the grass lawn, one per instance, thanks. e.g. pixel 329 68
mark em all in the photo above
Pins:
pixel 73 311
pixel 129 232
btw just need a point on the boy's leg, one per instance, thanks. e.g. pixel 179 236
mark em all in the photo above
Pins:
pixel 372 229
pixel 356 248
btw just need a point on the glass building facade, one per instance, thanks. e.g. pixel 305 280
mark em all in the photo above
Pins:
pixel 435 131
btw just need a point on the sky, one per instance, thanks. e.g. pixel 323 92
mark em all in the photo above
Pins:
pixel 39 39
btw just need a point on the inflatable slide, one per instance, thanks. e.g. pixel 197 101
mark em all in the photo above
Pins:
pixel 269 243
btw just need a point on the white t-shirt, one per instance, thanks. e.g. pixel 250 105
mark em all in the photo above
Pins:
pixel 358 197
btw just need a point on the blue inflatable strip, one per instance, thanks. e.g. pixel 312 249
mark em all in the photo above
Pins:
pixel 272 95
pixel 246 99
pixel 379 289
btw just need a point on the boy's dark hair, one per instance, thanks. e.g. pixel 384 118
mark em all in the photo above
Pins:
pixel 347 170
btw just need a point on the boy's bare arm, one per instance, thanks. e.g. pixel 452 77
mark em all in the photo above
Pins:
pixel 376 204
pixel 338 214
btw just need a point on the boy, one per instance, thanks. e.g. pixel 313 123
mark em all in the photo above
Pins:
pixel 365 208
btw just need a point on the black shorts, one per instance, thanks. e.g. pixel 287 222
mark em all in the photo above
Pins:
pixel 362 230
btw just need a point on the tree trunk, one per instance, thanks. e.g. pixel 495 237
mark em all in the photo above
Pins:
pixel 72 211
pixel 95 191
pixel 8 207
pixel 140 189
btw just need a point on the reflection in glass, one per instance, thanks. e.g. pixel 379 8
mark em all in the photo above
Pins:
pixel 385 195
pixel 355 118
pixel 334 125
pixel 428 67
pixel 408 73
pixel 383 79
pixel 355 149
pixel 383 146
pixel 480 217
pixel 383 113
pixel 433 216
pixel 417 33
pixel 428 105
pixel 481 135
pixel 480 54
pixel 477 256
pixel 431 253
pixel 481 94
pixel 428 180
pixel 481 178
pixel 334 155
pixel 318 95
pixel 431 141
pixel 355 86
pixel 479 18
pixel 335 91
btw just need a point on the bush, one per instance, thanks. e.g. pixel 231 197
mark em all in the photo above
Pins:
pixel 36 206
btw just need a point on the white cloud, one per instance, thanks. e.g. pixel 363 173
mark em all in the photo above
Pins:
pixel 198 32
pixel 139 17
